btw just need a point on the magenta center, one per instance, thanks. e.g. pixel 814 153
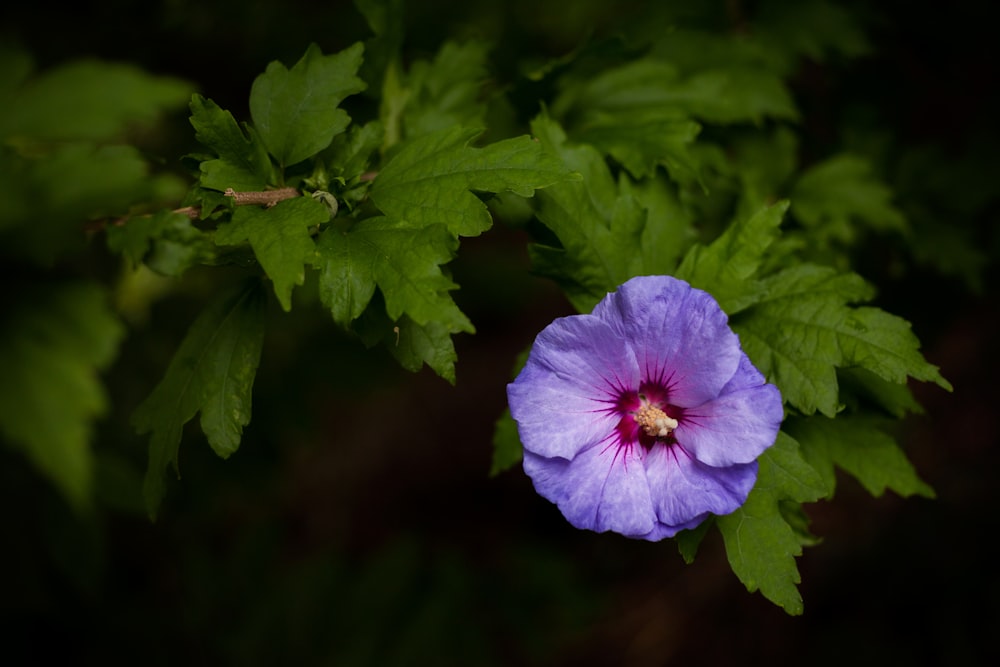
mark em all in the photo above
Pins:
pixel 647 417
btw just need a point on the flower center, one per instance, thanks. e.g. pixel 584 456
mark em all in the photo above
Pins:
pixel 654 421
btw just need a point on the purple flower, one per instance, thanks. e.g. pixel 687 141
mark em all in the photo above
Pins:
pixel 645 416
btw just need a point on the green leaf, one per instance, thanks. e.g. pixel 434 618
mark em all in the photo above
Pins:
pixel 507 450
pixel 431 178
pixel 243 163
pixel 280 238
pixel 728 267
pixel 688 541
pixel 212 372
pixel 446 92
pixel 387 19
pixel 54 341
pixel 642 144
pixel 296 111
pixel 804 328
pixel 861 446
pixel 350 153
pixel 760 544
pixel 47 198
pixel 895 399
pixel 88 100
pixel 652 88
pixel 644 85
pixel 669 230
pixel 430 343
pixel 836 196
pixel 411 344
pixel 599 224
pixel 763 163
pixel 402 260
pixel 416 314
pixel 166 241
pixel 736 95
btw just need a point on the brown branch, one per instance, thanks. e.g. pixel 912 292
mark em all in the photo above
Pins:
pixel 262 197
pixel 93 226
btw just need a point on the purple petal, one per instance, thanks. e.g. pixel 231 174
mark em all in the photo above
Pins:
pixel 684 490
pixel 563 399
pixel 680 336
pixel 734 428
pixel 746 376
pixel 662 530
pixel 604 488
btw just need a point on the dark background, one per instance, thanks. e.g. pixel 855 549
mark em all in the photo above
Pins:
pixel 357 525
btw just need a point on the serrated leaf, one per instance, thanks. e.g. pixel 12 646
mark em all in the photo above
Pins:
pixel 212 372
pixel 350 153
pixel 296 111
pixel 280 238
pixel 640 145
pixel 418 344
pixel 760 544
pixel 861 446
pixel 804 328
pixel 166 241
pixel 402 260
pixel 411 344
pixel 445 92
pixel 728 268
pixel 243 163
pixel 655 89
pixel 736 95
pixel 599 224
pixel 54 342
pixel 841 194
pixel 88 100
pixel 431 179
pixel 641 85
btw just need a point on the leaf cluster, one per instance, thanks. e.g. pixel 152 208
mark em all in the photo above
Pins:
pixel 371 212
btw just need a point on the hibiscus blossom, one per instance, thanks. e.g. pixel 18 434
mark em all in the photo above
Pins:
pixel 645 416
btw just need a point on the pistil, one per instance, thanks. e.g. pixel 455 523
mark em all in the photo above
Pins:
pixel 654 421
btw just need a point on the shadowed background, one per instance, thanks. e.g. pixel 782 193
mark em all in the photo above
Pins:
pixel 357 524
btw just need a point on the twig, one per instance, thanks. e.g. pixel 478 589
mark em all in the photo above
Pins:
pixel 262 197
pixel 192 212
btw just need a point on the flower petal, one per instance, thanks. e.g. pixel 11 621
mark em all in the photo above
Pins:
pixel 735 428
pixel 680 336
pixel 564 397
pixel 662 530
pixel 746 375
pixel 684 490
pixel 604 488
